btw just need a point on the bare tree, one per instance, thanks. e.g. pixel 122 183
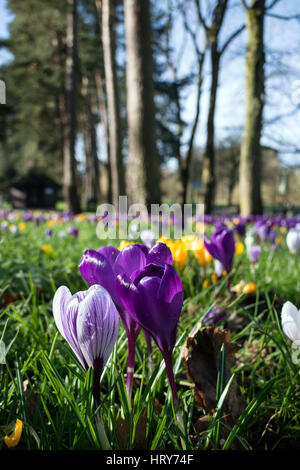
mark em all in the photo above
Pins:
pixel 250 160
pixel 69 112
pixel 143 165
pixel 102 104
pixel 106 14
pixel 92 173
pixel 185 165
pixel 212 28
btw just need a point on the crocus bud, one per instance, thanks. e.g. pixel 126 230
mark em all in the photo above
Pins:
pixel 88 320
pixel 154 299
pixel 290 321
pixel 73 231
pixel 293 241
pixel 214 316
pixel 221 246
pixel 104 265
pixel 253 253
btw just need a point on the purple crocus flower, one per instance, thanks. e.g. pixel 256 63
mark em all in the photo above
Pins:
pixel 253 252
pixel 48 232
pixel 222 247
pixel 240 227
pixel 104 265
pixel 263 229
pixel 73 231
pixel 214 316
pixel 154 299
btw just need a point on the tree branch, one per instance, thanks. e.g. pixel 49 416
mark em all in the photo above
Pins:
pixel 282 17
pixel 245 4
pixel 201 19
pixel 272 4
pixel 231 38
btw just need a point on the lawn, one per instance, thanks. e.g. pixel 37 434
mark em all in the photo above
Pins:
pixel 237 378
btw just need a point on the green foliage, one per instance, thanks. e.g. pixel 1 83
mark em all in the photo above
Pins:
pixel 43 384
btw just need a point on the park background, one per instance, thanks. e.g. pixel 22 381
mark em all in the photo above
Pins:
pixel 72 119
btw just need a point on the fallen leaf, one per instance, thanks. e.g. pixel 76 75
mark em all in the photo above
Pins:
pixel 202 357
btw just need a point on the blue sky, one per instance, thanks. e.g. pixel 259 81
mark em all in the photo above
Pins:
pixel 282 39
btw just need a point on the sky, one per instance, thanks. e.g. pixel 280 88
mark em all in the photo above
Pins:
pixel 282 40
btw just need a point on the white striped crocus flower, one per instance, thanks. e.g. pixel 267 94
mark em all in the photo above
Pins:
pixel 89 322
pixel 290 322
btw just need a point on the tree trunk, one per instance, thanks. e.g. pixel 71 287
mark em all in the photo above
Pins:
pixel 70 112
pixel 208 172
pixel 103 119
pixel 143 165
pixel 185 166
pixel 250 161
pixel 92 186
pixel 107 14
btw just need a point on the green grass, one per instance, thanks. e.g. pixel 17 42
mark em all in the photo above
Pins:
pixel 43 384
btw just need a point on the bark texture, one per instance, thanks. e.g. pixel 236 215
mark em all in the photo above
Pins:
pixel 142 175
pixel 69 112
pixel 106 14
pixel 250 160
pixel 92 173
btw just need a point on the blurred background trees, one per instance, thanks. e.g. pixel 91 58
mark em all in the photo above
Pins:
pixel 128 97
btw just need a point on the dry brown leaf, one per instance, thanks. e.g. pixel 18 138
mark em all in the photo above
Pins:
pixel 140 433
pixel 202 358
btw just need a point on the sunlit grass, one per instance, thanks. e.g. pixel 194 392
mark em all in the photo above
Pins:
pixel 43 384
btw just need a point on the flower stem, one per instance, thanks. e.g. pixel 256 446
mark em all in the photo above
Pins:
pixel 98 419
pixel 130 365
pixel 149 352
pixel 168 361
pixel 101 432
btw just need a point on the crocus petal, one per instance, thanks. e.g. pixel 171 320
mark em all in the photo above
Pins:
pixel 157 311
pixel 210 247
pixel 70 328
pixel 148 271
pixel 97 327
pixel 96 269
pixel 228 246
pixel 126 291
pixel 146 305
pixel 109 252
pixel 129 260
pixel 160 254
pixel 61 298
pixel 290 320
pixel 170 285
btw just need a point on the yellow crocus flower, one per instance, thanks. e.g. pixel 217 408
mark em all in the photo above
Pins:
pixel 245 288
pixel 188 240
pixel 179 253
pixel 47 248
pixel 166 241
pixel 123 244
pixel 239 248
pixel 13 440
pixel 250 288
pixel 22 226
pixel 201 253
